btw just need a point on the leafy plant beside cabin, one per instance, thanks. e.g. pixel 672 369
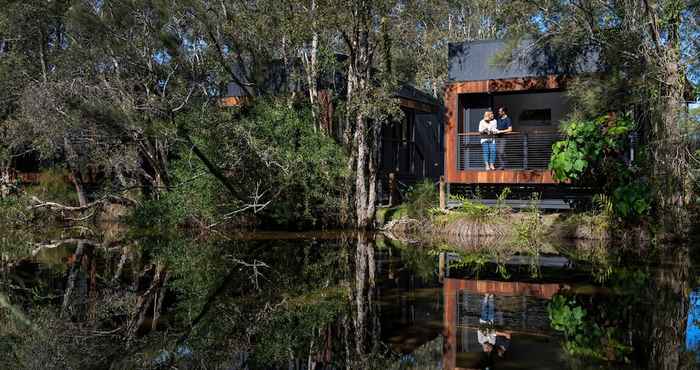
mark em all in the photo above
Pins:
pixel 593 154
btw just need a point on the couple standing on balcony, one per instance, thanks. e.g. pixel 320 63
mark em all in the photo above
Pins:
pixel 493 139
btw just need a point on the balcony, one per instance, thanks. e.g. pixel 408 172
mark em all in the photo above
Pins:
pixel 515 151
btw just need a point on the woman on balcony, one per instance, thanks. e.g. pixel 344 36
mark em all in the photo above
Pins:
pixel 487 129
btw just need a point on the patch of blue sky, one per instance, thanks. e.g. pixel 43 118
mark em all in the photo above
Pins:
pixel 162 57
pixel 193 46
pixel 690 33
pixel 539 21
pixel 692 335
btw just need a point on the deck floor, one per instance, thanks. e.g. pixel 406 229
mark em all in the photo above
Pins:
pixel 548 204
pixel 509 176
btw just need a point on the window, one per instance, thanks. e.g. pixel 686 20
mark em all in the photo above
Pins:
pixel 536 117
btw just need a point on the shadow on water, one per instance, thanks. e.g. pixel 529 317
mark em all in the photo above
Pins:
pixel 342 300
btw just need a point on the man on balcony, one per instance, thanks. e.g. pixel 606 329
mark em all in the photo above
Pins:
pixel 503 126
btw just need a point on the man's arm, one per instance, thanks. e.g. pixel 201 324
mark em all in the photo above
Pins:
pixel 509 129
pixel 503 334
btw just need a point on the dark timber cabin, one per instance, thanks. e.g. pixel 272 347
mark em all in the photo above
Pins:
pixel 411 148
pixel 534 95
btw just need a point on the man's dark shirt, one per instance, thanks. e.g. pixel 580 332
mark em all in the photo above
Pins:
pixel 503 123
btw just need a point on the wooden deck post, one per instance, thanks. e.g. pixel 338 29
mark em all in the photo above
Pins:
pixel 392 189
pixel 442 264
pixel 443 194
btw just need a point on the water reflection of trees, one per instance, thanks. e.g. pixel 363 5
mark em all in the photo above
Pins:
pixel 661 330
pixel 183 301
pixel 639 319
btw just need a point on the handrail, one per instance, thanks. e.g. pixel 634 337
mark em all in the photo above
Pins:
pixel 514 150
pixel 480 134
pixel 510 133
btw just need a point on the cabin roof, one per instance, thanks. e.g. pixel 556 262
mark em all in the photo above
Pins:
pixel 476 61
pixel 410 92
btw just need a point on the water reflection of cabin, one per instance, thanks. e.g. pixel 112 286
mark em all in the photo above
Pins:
pixel 524 315
pixel 536 103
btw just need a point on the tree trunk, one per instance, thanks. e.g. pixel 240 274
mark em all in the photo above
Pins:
pixel 660 334
pixel 69 299
pixel 5 180
pixel 79 187
pixel 364 291
pixel 361 174
pixel 671 158
pixel 311 65
pixel 671 162
pixel 361 153
pixel 154 156
pixel 151 298
pixel 74 168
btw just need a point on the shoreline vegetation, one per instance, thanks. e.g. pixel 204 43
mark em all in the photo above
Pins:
pixel 419 218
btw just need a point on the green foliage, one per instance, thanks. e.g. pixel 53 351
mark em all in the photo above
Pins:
pixel 588 144
pixel 631 200
pixel 592 153
pixel 300 171
pixel 529 234
pixel 420 199
pixel 293 326
pixel 197 269
pixel 564 316
pixel 473 209
pixel 584 336
pixel 394 213
pixel 54 186
pixel 13 211
pixel 192 198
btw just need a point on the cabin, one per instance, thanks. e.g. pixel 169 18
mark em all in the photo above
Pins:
pixel 532 89
pixel 411 146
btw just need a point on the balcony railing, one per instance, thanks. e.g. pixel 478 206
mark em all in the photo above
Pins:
pixel 514 151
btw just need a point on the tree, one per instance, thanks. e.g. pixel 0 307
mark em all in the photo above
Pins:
pixel 425 28
pixel 637 44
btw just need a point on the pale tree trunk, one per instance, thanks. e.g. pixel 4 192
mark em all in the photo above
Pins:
pixel 362 142
pixel 364 290
pixel 152 298
pixel 73 301
pixel 154 157
pixel 5 179
pixel 361 173
pixel 671 157
pixel 310 57
pixel 74 168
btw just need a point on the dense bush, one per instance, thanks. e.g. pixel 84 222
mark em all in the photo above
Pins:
pixel 312 165
pixel 283 172
pixel 593 154
pixel 422 197
pixel 55 187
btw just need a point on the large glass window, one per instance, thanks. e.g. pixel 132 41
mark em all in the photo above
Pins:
pixel 536 117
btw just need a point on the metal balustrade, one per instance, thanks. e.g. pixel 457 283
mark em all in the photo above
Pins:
pixel 515 150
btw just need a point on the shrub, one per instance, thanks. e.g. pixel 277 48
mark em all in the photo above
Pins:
pixel 54 185
pixel 272 150
pixel 420 199
pixel 592 153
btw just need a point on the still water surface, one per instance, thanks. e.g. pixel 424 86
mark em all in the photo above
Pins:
pixel 342 300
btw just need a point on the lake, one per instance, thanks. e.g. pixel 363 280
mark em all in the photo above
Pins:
pixel 124 299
